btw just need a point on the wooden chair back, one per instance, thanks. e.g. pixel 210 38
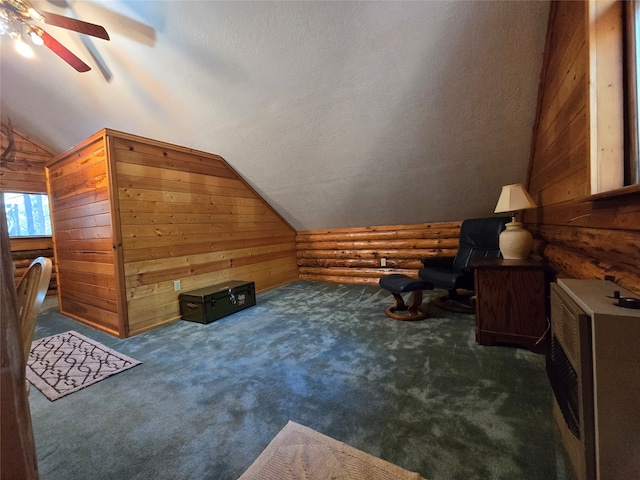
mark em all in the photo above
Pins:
pixel 32 289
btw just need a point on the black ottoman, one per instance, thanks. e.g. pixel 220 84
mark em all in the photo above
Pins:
pixel 398 284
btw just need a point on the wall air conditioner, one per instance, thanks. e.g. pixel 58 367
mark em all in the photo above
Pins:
pixel 593 364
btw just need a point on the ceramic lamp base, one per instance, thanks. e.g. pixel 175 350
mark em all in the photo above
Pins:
pixel 515 242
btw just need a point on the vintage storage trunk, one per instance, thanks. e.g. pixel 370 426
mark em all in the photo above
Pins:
pixel 207 304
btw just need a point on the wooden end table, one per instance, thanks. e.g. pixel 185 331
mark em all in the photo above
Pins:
pixel 510 302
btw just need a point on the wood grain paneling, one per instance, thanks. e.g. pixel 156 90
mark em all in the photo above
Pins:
pixel 157 213
pixel 559 171
pixel 581 235
pixel 78 182
pixel 354 255
pixel 24 172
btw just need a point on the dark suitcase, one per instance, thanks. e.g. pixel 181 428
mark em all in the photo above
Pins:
pixel 208 304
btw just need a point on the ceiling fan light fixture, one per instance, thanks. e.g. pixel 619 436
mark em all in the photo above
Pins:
pixel 33 13
pixel 15 18
pixel 23 48
pixel 35 37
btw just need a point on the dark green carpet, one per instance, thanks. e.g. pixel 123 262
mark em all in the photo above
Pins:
pixel 209 398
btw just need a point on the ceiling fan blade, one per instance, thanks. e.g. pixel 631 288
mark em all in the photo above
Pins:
pixel 75 25
pixel 64 53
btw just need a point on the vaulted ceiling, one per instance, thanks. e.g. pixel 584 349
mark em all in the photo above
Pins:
pixel 341 114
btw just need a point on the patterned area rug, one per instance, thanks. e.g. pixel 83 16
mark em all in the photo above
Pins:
pixel 300 452
pixel 65 363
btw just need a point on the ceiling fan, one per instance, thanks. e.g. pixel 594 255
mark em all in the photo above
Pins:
pixel 15 20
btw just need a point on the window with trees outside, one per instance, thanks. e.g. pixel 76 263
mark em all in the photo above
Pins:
pixel 27 214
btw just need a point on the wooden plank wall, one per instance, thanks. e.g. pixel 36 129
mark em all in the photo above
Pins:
pixel 78 182
pixel 23 171
pixel 560 167
pixel 133 215
pixel 579 235
pixel 353 255
pixel 187 215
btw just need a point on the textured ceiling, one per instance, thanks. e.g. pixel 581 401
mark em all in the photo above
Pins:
pixel 340 114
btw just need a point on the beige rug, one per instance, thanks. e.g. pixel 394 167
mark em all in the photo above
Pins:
pixel 298 452
pixel 67 362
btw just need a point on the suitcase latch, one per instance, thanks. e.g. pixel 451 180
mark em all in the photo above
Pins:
pixel 232 297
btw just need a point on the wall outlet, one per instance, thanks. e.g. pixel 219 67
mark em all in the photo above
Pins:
pixel 176 285
pixel 383 262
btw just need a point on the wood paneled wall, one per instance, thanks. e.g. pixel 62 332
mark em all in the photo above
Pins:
pixel 152 214
pixel 353 255
pixel 81 213
pixel 560 170
pixel 579 234
pixel 23 171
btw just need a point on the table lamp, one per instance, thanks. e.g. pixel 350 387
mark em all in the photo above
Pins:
pixel 515 241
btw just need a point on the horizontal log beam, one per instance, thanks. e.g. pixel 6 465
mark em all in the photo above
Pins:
pixel 615 247
pixel 432 243
pixel 369 254
pixel 360 235
pixel 338 279
pixel 30 255
pixel 355 272
pixel 383 228
pixel 574 264
pixel 358 263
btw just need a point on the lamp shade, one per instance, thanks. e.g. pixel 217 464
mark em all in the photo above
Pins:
pixel 514 197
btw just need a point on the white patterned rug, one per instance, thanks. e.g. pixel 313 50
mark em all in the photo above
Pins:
pixel 298 452
pixel 67 362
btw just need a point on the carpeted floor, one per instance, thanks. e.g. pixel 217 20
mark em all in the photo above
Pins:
pixel 208 399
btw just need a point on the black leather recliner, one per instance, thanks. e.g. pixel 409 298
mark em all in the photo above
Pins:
pixel 479 237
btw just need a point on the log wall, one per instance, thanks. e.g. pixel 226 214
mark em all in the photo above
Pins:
pixel 25 250
pixel 353 255
pixel 23 171
pixel 156 213
pixel 580 235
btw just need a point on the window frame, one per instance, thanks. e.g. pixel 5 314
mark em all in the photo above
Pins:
pixel 632 92
pixel 605 95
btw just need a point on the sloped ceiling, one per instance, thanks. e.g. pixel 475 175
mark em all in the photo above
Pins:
pixel 340 114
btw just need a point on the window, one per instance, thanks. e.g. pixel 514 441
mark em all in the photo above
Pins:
pixel 27 214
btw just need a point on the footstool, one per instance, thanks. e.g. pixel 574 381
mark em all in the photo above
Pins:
pixel 398 284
